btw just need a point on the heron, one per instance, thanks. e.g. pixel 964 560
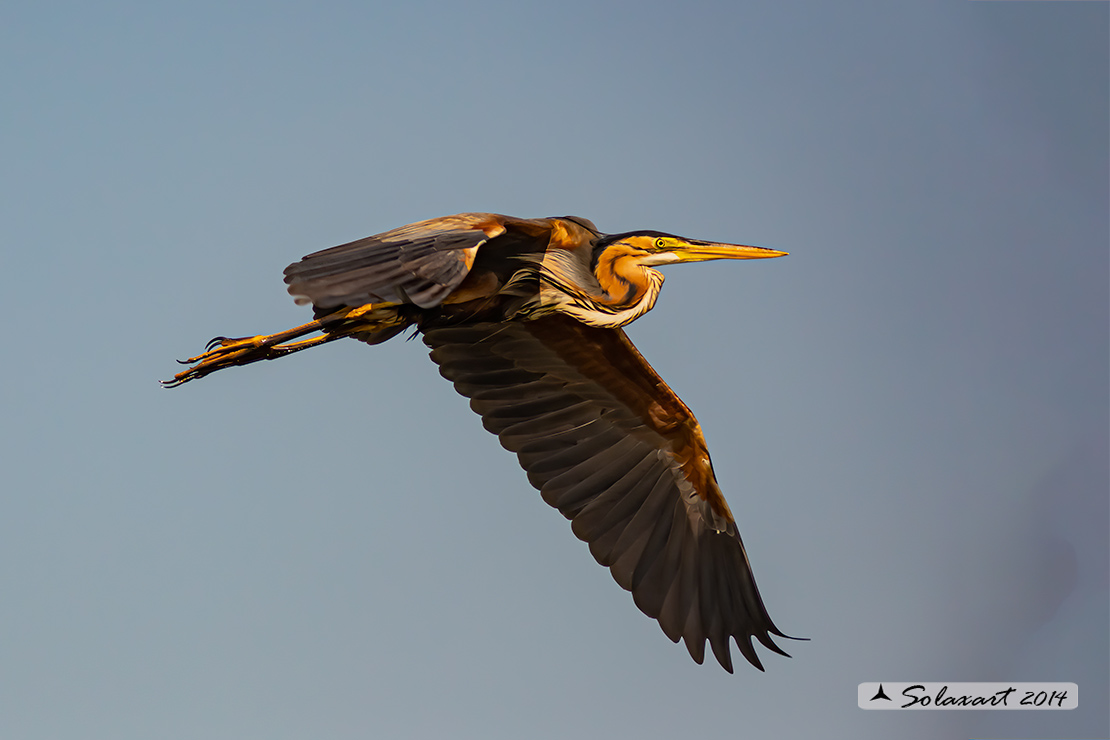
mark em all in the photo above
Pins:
pixel 525 317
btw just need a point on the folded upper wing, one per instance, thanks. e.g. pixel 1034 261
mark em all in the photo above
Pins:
pixel 608 443
pixel 420 263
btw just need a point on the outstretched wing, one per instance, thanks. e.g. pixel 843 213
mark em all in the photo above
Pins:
pixel 420 263
pixel 610 445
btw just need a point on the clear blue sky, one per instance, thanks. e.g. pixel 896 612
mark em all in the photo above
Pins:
pixel 908 415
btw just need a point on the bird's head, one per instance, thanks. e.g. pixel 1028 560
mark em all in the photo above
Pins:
pixel 650 248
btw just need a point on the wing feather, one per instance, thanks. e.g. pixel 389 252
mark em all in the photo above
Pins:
pixel 632 548
pixel 421 263
pixel 609 444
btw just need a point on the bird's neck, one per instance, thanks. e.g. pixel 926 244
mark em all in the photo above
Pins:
pixel 626 283
pixel 628 290
pixel 611 293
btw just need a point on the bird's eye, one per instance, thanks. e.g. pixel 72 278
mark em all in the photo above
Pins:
pixel 660 243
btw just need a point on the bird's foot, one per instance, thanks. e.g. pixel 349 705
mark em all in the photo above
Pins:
pixel 224 352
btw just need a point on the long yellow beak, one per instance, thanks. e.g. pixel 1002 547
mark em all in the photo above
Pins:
pixel 699 251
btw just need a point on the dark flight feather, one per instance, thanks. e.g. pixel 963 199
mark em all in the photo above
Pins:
pixel 618 476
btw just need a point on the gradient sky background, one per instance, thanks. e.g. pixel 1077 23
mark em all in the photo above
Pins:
pixel 908 414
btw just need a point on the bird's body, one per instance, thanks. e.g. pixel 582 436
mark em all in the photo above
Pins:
pixel 524 316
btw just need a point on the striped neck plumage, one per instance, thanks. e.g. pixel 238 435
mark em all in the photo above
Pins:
pixel 616 292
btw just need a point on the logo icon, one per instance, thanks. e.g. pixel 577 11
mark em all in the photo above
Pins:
pixel 880 694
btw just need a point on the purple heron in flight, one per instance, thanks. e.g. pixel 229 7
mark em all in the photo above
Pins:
pixel 524 316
